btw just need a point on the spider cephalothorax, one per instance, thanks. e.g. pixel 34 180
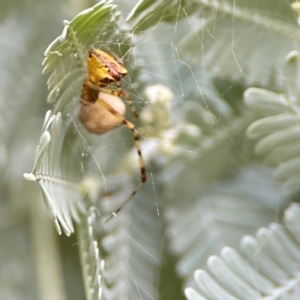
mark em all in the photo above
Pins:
pixel 104 69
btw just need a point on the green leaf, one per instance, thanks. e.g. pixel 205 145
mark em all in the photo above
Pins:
pixel 220 217
pixel 66 55
pixel 149 13
pixel 57 174
pixel 270 265
pixel 265 101
pixel 278 134
pixel 118 250
pixel 291 76
pixel 267 126
pixel 239 39
pixel 92 265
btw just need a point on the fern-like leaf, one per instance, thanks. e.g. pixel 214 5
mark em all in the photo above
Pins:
pixel 225 35
pixel 66 55
pixel 278 131
pixel 92 264
pixel 55 169
pixel 269 268
pixel 56 172
pixel 221 217
pixel 119 261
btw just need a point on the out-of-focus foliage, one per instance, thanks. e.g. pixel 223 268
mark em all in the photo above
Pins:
pixel 270 266
pixel 216 84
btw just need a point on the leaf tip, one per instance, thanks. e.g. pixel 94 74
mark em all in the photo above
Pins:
pixel 65 31
pixel 29 176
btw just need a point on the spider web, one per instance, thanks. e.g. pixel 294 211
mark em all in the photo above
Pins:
pixel 172 63
pixel 206 187
pixel 190 54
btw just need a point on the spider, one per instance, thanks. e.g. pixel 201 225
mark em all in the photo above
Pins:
pixel 101 111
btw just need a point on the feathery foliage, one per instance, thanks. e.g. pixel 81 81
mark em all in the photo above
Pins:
pixel 215 31
pixel 277 131
pixel 190 64
pixel 269 268
pixel 65 59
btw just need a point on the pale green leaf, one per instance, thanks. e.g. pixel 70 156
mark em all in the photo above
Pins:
pixel 231 38
pixel 244 270
pixel 220 217
pixel 191 294
pixel 269 125
pixel 92 264
pixel 278 134
pixel 126 257
pixel 291 76
pixel 269 268
pixel 210 287
pixel 56 173
pixel 66 55
pixel 266 101
pixel 229 280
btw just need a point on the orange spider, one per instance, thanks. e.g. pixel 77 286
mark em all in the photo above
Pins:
pixel 99 115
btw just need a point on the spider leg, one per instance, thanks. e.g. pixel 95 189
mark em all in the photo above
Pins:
pixel 128 100
pixel 115 92
pixel 138 148
pixel 118 93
